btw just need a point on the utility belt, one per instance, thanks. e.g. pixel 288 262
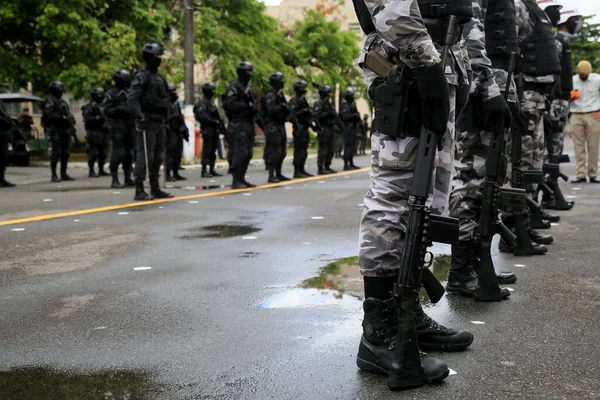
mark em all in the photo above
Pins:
pixel 544 88
pixel 437 30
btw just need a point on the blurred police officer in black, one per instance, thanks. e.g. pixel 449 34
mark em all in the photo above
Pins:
pixel 325 114
pixel 6 125
pixel 302 117
pixel 177 132
pixel 241 106
pixel 351 118
pixel 208 117
pixel 149 102
pixel 275 112
pixel 96 132
pixel 60 126
pixel 121 125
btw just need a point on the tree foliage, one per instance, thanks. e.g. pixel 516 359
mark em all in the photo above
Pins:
pixel 586 45
pixel 80 42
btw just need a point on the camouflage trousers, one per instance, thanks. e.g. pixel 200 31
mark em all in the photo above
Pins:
pixel 533 106
pixel 385 213
pixel 559 117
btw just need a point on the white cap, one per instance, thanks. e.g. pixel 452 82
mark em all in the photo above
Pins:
pixel 549 3
pixel 566 14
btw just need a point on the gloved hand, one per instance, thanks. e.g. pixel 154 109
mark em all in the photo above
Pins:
pixel 141 124
pixel 496 110
pixel 434 95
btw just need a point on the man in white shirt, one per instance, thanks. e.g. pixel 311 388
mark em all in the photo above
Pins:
pixel 584 125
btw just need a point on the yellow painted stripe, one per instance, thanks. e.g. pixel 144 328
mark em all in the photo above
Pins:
pixel 180 198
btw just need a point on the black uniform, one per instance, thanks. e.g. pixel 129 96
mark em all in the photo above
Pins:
pixel 60 126
pixel 6 126
pixel 351 118
pixel 149 101
pixel 122 130
pixel 363 134
pixel 207 115
pixel 177 132
pixel 241 107
pixel 275 112
pixel 302 115
pixel 325 114
pixel 96 134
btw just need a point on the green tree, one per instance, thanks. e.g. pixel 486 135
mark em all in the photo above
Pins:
pixel 230 31
pixel 586 45
pixel 324 53
pixel 80 42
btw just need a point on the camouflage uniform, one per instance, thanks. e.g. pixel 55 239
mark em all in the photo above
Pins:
pixel 472 147
pixel 533 104
pixel 401 32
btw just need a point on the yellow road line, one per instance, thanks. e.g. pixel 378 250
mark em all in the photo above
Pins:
pixel 194 196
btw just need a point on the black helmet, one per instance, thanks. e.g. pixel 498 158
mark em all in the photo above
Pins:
pixel 171 87
pixel 57 88
pixel 97 94
pixel 209 86
pixel 276 79
pixel 349 93
pixel 244 71
pixel 152 50
pixel 325 90
pixel 121 75
pixel 56 85
pixel 300 86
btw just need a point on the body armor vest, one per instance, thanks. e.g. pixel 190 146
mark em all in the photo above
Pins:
pixel 538 51
pixel 155 99
pixel 463 9
pixel 501 38
pixel 300 103
pixel 566 69
pixel 278 118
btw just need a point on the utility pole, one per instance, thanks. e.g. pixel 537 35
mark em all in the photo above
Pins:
pixel 189 149
pixel 188 20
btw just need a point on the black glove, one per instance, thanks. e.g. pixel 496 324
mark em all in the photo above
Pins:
pixel 141 124
pixel 434 95
pixel 496 110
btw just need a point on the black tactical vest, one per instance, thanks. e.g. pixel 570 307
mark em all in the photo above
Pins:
pixel 538 51
pixel 566 71
pixel 501 37
pixel 444 8
pixel 364 16
pixel 155 99
pixel 279 100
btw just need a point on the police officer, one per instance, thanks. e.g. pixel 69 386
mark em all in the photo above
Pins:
pixel 149 102
pixel 325 115
pixel 6 125
pixel 96 132
pixel 122 128
pixel 363 134
pixel 351 118
pixel 407 34
pixel 177 132
pixel 60 125
pixel 275 112
pixel 241 107
pixel 302 117
pixel 208 117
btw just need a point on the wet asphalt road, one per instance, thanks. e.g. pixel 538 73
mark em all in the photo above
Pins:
pixel 223 317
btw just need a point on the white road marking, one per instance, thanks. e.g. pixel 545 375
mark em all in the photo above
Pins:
pixel 194 202
pixel 247 194
pixel 305 242
pixel 249 238
pixel 478 322
pixel 99 328
pixel 116 192
pixel 317 217
pixel 47 200
pixel 75 220
pixel 142 268
pixel 17 229
pixel 123 213
pixel 520 265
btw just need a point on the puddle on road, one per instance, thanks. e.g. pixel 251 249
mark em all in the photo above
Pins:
pixel 219 231
pixel 340 283
pixel 44 383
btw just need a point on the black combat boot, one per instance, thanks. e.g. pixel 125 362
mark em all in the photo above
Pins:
pixel 322 171
pixel 272 177
pixel 298 174
pixel 330 171
pixel 213 172
pixel 306 173
pixel 92 173
pixel 389 347
pixel 102 172
pixel 540 237
pixel 177 176
pixel 434 336
pixel 140 193
pixel 64 176
pixel 238 181
pixel 55 177
pixel 170 177
pixel 128 181
pixel 158 193
pixel 3 182
pixel 280 176
pixel 524 246
pixel 352 165
pixel 116 184
pixel 550 217
pixel 347 166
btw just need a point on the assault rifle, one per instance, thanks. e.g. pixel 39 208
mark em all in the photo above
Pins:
pixel 495 197
pixel 391 104
pixel 556 199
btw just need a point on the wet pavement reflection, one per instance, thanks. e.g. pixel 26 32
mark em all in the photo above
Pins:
pixel 340 283
pixel 219 231
pixel 43 383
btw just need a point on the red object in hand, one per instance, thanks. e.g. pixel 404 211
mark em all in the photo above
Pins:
pixel 575 95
